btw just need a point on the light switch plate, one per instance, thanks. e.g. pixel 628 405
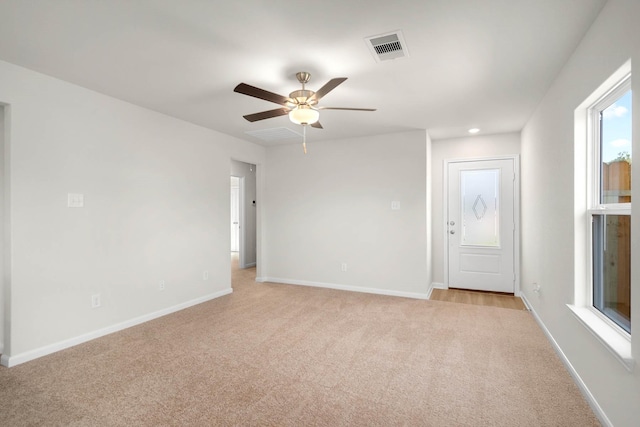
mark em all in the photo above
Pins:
pixel 75 200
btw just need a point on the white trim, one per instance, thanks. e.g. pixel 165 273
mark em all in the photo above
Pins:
pixel 587 204
pixel 377 291
pixel 611 209
pixel 10 361
pixel 7 234
pixel 242 249
pixel 516 214
pixel 618 344
pixel 250 264
pixel 604 420
pixel 435 285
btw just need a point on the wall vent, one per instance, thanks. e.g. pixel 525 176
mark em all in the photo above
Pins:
pixel 388 46
pixel 274 134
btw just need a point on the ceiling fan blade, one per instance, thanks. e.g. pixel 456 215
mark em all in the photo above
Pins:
pixel 267 114
pixel 316 125
pixel 331 84
pixel 346 108
pixel 256 92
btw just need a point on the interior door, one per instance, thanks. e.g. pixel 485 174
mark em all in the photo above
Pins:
pixel 481 225
pixel 235 214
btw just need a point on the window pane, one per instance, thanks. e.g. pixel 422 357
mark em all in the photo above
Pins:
pixel 480 198
pixel 615 122
pixel 612 267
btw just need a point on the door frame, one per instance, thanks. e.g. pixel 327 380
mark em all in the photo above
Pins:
pixel 242 247
pixel 241 221
pixel 516 213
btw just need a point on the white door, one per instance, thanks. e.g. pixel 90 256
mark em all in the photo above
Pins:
pixel 481 225
pixel 235 214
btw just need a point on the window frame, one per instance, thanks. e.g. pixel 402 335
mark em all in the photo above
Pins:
pixel 613 338
pixel 594 204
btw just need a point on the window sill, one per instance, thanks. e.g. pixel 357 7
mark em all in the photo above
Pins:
pixel 618 344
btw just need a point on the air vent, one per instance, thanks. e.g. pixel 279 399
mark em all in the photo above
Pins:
pixel 387 46
pixel 274 134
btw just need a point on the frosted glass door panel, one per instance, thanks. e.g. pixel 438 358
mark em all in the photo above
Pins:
pixel 480 193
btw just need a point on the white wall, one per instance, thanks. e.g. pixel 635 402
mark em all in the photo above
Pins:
pixel 156 193
pixel 548 210
pixel 2 173
pixel 333 206
pixel 477 146
pixel 248 172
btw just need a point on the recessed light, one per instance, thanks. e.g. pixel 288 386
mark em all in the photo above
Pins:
pixel 474 130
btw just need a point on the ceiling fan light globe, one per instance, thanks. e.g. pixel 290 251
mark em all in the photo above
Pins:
pixel 304 116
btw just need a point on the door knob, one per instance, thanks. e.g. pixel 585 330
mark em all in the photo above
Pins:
pixel 452 232
pixel 452 223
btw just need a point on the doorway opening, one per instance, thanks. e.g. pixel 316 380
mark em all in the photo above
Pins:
pixel 235 214
pixel 243 215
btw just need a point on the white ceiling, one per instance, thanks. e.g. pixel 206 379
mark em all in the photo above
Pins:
pixel 472 63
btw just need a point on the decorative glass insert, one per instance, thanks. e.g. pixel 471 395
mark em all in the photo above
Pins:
pixel 480 193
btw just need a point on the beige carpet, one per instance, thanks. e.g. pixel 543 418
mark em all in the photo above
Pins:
pixel 281 355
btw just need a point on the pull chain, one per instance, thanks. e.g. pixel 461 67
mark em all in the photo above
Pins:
pixel 304 138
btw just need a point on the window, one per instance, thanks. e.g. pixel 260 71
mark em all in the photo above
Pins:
pixel 602 220
pixel 609 204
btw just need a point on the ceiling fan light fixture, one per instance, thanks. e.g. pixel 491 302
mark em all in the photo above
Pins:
pixel 304 115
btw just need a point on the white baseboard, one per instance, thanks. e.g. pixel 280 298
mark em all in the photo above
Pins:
pixel 435 285
pixel 10 361
pixel 250 264
pixel 576 377
pixel 429 291
pixel 377 291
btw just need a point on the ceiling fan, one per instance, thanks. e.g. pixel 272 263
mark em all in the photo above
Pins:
pixel 300 105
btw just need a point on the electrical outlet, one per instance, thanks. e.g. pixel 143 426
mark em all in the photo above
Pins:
pixel 161 285
pixel 95 301
pixel 205 275
pixel 343 266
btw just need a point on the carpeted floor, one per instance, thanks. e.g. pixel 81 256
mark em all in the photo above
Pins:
pixel 282 355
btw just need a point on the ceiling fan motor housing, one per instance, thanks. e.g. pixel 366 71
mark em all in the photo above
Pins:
pixel 302 96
